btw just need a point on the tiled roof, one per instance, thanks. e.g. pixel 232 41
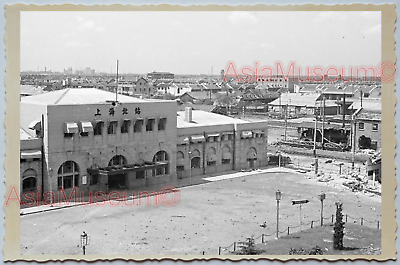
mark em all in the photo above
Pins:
pixel 296 99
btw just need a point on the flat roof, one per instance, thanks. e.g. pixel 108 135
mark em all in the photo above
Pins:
pixel 204 118
pixel 80 96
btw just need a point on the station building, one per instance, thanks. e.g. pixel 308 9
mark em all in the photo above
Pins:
pixel 94 140
pixel 210 143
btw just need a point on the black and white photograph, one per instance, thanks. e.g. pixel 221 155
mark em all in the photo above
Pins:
pixel 201 133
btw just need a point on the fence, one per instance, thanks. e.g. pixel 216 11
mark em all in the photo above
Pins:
pixel 292 229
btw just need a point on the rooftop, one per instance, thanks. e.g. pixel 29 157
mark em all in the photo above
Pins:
pixel 369 105
pixel 78 96
pixel 296 99
pixel 204 118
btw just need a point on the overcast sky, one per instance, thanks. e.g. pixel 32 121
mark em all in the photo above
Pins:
pixel 193 42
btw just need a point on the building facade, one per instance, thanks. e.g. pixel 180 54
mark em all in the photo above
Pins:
pixel 89 140
pixel 209 143
pixel 95 144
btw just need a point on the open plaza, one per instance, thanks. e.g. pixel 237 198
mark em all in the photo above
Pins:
pixel 221 210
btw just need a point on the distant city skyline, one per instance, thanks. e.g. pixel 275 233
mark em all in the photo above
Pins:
pixel 197 42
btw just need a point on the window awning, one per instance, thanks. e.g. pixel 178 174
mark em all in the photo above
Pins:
pixel 227 133
pixel 212 157
pixel 183 140
pixel 226 155
pixel 139 119
pixel 213 135
pixel 35 125
pixel 198 138
pixel 113 121
pixel 258 131
pixel 247 134
pixel 126 120
pixel 30 154
pixel 71 127
pixel 86 126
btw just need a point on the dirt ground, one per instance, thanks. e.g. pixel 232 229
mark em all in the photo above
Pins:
pixel 206 217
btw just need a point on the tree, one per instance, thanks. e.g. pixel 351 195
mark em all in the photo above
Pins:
pixel 339 227
pixel 249 247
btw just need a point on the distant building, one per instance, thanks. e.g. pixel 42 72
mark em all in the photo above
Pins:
pixel 160 75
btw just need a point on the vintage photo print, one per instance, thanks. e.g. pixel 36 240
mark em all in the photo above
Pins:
pixel 200 132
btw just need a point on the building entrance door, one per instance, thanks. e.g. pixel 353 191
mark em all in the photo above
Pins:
pixel 116 182
pixel 252 163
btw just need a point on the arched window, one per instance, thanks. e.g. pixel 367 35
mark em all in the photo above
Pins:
pixel 195 159
pixel 180 155
pixel 29 180
pixel 68 175
pixel 226 155
pixel 161 156
pixel 252 154
pixel 117 161
pixel 211 156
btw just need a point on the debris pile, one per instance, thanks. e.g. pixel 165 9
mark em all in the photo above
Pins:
pixel 360 183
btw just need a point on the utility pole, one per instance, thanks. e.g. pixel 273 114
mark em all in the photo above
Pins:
pixel 280 105
pixel 344 109
pixel 315 146
pixel 323 122
pixel 116 90
pixel 286 120
pixel 354 140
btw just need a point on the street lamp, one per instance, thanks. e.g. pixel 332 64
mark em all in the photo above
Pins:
pixel 190 167
pixel 278 198
pixel 321 197
pixel 279 158
pixel 84 241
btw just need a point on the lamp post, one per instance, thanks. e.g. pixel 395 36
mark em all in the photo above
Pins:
pixel 84 241
pixel 278 198
pixel 321 197
pixel 279 158
pixel 190 167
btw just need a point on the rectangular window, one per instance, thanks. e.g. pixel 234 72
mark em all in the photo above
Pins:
pixel 67 182
pixel 150 125
pixel 361 126
pixel 125 126
pixel 98 128
pixel 68 135
pixel 375 127
pixel 226 161
pixel 59 183
pixel 112 127
pixel 138 125
pixel 95 180
pixel 84 134
pixel 161 124
pixel 211 163
pixel 230 137
pixel 76 180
